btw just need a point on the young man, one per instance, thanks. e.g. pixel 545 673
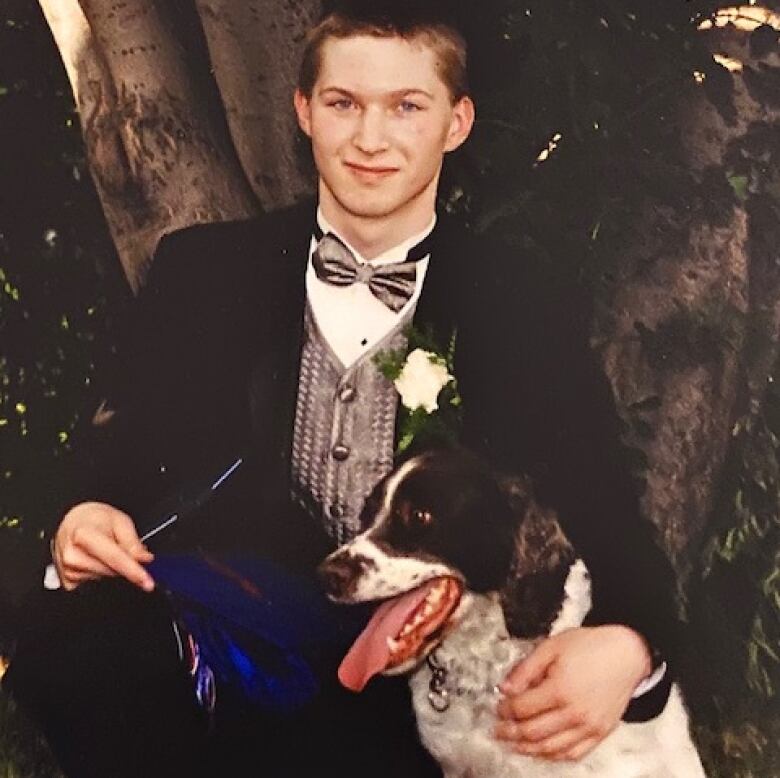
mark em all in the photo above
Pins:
pixel 246 337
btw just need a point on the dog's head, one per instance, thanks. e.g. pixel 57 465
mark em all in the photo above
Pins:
pixel 440 525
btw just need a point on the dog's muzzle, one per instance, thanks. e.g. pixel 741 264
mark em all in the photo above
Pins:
pixel 340 572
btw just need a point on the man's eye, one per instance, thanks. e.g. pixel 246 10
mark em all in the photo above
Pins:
pixel 407 106
pixel 342 104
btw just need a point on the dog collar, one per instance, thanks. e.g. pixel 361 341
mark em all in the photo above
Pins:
pixel 441 687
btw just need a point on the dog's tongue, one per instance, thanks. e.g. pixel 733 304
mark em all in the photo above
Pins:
pixel 370 653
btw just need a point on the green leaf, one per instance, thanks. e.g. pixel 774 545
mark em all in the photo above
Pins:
pixel 450 356
pixel 424 339
pixel 390 363
pixel 404 442
pixel 739 185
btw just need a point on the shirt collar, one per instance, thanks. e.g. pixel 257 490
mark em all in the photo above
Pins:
pixel 396 253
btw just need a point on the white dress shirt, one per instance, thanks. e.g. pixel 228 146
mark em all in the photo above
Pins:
pixel 350 318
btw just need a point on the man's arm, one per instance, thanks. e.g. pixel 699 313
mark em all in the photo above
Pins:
pixel 537 401
pixel 572 691
pixel 95 540
pixel 554 417
pixel 115 470
pixel 178 405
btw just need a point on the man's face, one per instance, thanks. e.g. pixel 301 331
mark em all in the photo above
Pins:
pixel 380 120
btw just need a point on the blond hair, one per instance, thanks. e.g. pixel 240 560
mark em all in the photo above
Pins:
pixel 446 42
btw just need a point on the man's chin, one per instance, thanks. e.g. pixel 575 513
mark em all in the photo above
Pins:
pixel 371 207
pixel 381 203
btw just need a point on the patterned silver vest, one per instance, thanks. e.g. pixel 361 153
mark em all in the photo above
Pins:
pixel 344 433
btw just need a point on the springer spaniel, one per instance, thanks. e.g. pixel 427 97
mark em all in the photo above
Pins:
pixel 472 575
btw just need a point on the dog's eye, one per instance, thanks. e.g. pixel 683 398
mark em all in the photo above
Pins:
pixel 422 517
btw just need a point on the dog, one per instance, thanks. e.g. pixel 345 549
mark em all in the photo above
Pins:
pixel 472 575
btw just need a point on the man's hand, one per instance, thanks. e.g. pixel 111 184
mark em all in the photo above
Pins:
pixel 570 693
pixel 95 540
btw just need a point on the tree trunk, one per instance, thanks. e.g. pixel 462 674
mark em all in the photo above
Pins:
pixel 695 324
pixel 255 48
pixel 157 145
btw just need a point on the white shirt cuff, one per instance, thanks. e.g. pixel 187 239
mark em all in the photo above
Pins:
pixel 50 578
pixel 650 682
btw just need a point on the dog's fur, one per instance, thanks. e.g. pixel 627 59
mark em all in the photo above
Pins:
pixel 442 513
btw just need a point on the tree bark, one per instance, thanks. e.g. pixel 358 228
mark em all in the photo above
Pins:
pixel 76 45
pixel 707 284
pixel 255 48
pixel 158 151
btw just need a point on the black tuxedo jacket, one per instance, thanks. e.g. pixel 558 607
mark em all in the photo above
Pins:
pixel 210 366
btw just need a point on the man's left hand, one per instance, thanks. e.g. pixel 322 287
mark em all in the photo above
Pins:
pixel 571 691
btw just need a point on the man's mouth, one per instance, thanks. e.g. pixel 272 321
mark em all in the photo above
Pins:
pixel 370 171
pixel 400 629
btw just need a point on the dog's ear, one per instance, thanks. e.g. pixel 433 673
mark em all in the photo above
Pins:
pixel 519 493
pixel 480 532
pixel 534 592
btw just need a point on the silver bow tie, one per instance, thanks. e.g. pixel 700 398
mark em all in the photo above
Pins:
pixel 392 284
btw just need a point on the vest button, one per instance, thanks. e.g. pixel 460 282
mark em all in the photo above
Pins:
pixel 347 394
pixel 340 452
pixel 337 511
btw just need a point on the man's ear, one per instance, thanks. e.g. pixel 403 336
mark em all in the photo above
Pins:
pixel 462 121
pixel 303 111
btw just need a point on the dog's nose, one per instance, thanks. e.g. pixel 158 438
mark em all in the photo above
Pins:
pixel 337 573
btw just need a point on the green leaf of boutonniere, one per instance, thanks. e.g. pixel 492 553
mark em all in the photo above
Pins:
pixel 430 407
pixel 390 363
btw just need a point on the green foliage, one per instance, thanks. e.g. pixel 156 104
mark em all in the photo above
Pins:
pixel 740 186
pixel 742 748
pixel 57 269
pixel 579 125
pixel 735 603
pixel 23 754
pixel 747 540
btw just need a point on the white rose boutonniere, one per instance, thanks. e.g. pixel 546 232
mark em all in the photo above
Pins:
pixel 424 377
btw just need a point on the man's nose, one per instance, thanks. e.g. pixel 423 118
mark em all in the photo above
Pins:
pixel 371 131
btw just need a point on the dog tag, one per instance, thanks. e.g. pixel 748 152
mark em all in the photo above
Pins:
pixel 438 696
pixel 439 700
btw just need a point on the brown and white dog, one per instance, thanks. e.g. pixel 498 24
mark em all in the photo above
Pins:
pixel 472 574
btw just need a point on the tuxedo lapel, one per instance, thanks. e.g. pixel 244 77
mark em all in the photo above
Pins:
pixel 437 309
pixel 283 253
pixel 439 306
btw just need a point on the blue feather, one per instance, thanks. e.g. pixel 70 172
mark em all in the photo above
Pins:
pixel 269 636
